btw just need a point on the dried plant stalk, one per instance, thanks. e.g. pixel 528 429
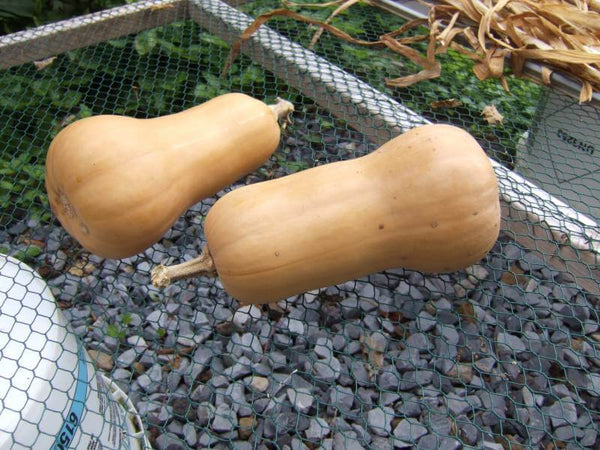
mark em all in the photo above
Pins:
pixel 563 35
pixel 282 12
pixel 343 7
pixel 431 68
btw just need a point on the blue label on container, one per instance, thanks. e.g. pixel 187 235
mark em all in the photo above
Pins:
pixel 67 432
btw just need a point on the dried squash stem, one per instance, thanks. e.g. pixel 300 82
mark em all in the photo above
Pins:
pixel 162 276
pixel 283 110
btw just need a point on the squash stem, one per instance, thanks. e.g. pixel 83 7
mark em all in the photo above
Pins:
pixel 162 276
pixel 283 109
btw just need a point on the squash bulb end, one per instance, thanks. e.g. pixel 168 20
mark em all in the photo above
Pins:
pixel 66 206
pixel 66 212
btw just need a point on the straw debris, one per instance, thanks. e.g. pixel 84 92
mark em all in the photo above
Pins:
pixel 492 115
pixel 562 35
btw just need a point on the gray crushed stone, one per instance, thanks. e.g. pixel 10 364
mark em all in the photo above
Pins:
pixel 398 358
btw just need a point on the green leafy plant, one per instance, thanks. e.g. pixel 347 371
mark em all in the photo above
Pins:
pixel 457 80
pixel 16 15
pixel 115 331
pixel 156 72
pixel 176 66
pixel 27 255
pixel 145 42
pixel 126 318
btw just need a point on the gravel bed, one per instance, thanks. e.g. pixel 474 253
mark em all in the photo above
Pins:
pixel 503 355
pixel 476 359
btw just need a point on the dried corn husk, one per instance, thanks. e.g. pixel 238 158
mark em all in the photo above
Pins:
pixel 562 35
pixel 443 104
pixel 492 115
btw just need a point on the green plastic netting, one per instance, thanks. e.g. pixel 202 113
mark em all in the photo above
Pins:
pixel 503 355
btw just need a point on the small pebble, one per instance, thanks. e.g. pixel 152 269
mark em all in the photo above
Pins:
pixel 339 342
pixel 409 431
pixel 151 380
pixel 224 419
pixel 245 315
pixel 239 370
pixel 204 413
pixel 103 360
pixel 247 426
pixel 562 412
pixel 189 434
pixel 328 371
pixel 342 398
pixel 318 429
pixel 377 341
pixel 169 441
pixel 260 384
pixel 486 365
pixel 301 399
pixel 160 416
pixel 419 341
pixel 457 405
pixel 509 343
pixel 324 348
pixel 293 326
pixel 380 420
pixel 426 322
pixel 409 406
pixel 388 380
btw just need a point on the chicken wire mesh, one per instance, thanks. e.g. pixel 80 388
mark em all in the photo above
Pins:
pixel 502 355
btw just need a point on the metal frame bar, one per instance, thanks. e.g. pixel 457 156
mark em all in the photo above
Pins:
pixel 568 240
pixel 49 40
pixel 343 95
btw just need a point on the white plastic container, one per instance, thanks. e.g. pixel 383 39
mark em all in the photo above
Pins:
pixel 51 397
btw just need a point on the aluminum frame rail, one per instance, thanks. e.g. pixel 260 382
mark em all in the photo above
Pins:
pixel 568 240
pixel 60 37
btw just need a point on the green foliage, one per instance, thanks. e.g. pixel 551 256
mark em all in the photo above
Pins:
pixel 176 66
pixel 156 72
pixel 456 81
pixel 115 331
pixel 33 251
pixel 16 15
pixel 294 166
pixel 210 87
pixel 290 165
pixel 27 255
pixel 21 189
pixel 126 318
pixel 145 42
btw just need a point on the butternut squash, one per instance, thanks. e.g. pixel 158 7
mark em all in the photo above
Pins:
pixel 427 200
pixel 117 184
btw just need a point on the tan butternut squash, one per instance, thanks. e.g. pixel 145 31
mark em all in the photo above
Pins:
pixel 426 200
pixel 117 184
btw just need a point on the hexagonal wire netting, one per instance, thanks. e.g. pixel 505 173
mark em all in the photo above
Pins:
pixel 502 355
